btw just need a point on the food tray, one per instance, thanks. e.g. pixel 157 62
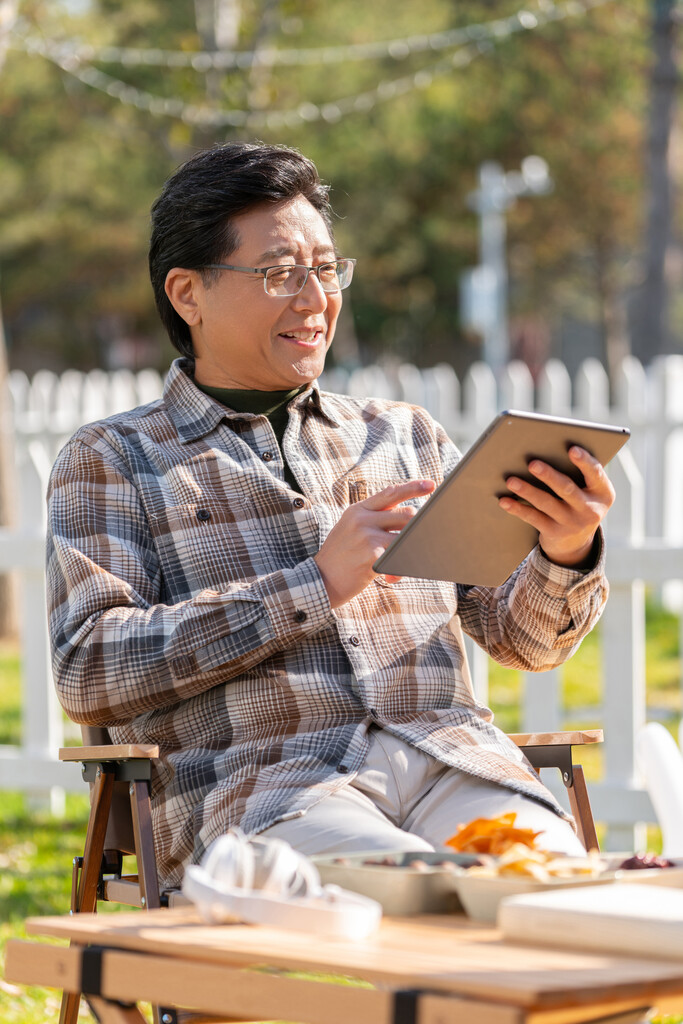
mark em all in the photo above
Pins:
pixel 400 888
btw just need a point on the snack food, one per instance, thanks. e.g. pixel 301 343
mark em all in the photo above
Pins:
pixel 505 850
pixel 491 835
pixel 541 865
pixel 645 860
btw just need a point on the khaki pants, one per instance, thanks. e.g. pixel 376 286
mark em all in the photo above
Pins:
pixel 403 799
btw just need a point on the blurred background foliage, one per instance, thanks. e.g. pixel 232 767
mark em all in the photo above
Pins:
pixel 79 169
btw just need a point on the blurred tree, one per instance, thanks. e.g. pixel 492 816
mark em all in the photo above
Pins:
pixel 79 169
pixel 572 92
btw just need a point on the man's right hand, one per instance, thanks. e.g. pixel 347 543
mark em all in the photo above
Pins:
pixel 362 534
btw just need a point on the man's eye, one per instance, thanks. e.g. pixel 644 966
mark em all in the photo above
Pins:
pixel 280 274
pixel 328 272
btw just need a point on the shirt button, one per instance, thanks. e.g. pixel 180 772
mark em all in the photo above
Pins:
pixel 203 514
pixel 267 456
pixel 343 769
pixel 354 640
pixel 298 503
pixel 300 615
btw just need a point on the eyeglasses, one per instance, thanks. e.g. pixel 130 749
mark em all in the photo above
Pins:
pixel 290 279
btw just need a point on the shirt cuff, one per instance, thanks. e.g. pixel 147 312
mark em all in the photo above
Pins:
pixel 572 599
pixel 296 600
pixel 562 578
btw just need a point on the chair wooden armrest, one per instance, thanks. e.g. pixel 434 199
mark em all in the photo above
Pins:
pixel 554 750
pixel 109 752
pixel 570 738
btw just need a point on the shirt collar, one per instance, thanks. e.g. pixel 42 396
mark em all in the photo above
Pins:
pixel 194 414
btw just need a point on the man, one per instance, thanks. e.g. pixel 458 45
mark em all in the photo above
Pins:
pixel 210 558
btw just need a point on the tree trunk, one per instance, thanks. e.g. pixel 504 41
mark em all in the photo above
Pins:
pixel 651 335
pixel 9 624
pixel 218 26
pixel 613 317
pixel 8 498
pixel 8 16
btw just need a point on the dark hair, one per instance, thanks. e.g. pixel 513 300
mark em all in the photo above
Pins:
pixel 191 219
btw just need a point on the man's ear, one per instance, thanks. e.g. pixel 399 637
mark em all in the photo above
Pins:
pixel 183 288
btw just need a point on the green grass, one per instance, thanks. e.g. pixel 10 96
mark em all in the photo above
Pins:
pixel 36 849
pixel 10 695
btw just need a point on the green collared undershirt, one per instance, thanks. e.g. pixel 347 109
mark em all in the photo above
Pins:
pixel 271 404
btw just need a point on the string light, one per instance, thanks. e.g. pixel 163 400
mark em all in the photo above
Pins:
pixel 396 49
pixel 74 60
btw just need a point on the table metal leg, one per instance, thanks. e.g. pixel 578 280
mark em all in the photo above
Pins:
pixel 114 1013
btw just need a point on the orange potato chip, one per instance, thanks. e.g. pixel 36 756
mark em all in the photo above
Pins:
pixel 506 837
pixel 491 835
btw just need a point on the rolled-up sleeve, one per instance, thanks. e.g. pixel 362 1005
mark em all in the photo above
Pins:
pixel 538 618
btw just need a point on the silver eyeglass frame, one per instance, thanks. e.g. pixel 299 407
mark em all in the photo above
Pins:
pixel 263 271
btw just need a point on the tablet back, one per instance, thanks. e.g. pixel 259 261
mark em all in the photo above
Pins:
pixel 461 534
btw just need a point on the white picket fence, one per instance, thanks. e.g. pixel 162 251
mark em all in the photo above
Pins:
pixel 644 537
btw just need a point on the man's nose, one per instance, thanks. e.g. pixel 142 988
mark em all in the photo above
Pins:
pixel 311 295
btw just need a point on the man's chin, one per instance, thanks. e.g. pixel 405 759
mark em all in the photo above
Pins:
pixel 306 370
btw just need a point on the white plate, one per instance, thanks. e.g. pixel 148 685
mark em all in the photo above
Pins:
pixel 670 877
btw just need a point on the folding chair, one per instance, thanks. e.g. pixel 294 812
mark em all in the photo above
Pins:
pixel 120 823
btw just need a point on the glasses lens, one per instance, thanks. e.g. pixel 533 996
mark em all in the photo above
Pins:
pixel 344 272
pixel 328 275
pixel 335 276
pixel 289 280
pixel 285 280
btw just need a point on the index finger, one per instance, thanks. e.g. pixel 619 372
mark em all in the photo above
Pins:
pixel 393 495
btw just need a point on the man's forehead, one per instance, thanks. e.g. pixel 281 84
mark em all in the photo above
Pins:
pixel 283 229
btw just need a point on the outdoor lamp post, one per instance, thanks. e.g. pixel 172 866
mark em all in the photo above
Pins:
pixel 484 288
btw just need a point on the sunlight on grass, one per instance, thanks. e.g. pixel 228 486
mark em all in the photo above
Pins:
pixel 36 851
pixel 10 694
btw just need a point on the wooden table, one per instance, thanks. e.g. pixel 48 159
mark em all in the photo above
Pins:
pixel 431 970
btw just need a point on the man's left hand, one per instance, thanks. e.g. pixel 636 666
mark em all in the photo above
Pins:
pixel 568 518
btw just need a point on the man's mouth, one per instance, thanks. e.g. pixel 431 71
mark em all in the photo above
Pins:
pixel 308 336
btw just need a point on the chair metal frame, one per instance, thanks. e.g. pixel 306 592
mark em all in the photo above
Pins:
pixel 120 823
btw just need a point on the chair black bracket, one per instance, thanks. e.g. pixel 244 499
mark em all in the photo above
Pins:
pixel 136 769
pixel 552 756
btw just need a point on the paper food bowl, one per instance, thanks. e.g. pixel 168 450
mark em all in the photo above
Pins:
pixel 480 895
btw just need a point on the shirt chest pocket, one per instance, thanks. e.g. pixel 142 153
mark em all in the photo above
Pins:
pixel 359 485
pixel 442 593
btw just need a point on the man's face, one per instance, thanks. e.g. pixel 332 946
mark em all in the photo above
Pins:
pixel 244 338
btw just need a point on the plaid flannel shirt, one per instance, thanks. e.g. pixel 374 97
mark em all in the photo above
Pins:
pixel 186 610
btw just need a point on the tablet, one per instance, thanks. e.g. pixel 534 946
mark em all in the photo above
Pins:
pixel 461 534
